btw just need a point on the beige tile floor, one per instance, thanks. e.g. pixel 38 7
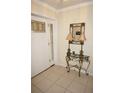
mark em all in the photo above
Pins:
pixel 57 80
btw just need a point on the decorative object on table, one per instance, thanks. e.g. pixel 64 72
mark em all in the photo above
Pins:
pixel 76 36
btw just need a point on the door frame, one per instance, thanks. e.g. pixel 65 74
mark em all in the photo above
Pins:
pixel 55 39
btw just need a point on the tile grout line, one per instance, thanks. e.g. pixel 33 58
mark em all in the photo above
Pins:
pixel 67 86
pixel 60 85
pixel 38 88
pixel 53 83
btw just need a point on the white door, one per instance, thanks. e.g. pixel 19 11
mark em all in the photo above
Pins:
pixel 39 50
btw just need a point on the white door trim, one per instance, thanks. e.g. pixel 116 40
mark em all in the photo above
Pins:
pixel 55 39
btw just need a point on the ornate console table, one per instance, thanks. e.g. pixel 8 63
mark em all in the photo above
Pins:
pixel 79 59
pixel 77 37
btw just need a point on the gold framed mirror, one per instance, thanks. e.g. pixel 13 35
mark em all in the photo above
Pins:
pixel 77 30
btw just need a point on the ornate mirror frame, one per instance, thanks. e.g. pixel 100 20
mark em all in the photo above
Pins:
pixel 77 30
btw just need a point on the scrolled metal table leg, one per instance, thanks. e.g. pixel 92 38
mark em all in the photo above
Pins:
pixel 68 67
pixel 87 67
pixel 80 67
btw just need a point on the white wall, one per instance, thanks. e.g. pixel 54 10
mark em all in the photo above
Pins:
pixel 76 15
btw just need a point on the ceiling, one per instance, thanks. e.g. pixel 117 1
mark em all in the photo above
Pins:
pixel 59 4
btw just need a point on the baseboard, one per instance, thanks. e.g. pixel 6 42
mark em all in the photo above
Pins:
pixel 43 71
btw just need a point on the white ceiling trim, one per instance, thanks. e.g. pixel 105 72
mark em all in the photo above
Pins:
pixel 42 15
pixel 75 6
pixel 63 9
pixel 45 5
